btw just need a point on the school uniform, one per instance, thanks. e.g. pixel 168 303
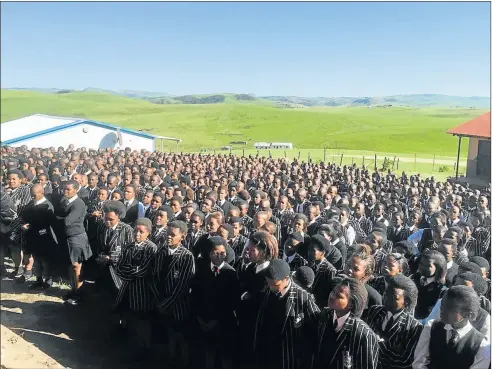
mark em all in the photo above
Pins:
pixel 92 223
pixel 295 262
pixel 442 347
pixel 285 329
pixel 159 235
pixel 345 340
pixel 399 334
pixel 396 235
pixel 452 271
pixel 112 241
pixel 174 270
pixel 192 237
pixel 74 212
pixel 323 282
pixel 134 210
pixel 39 238
pixel 215 297
pixel 430 291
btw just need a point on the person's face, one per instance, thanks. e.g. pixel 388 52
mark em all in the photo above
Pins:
pixel 112 183
pixel 111 219
pixel 430 208
pixel 174 237
pixel 391 267
pixel 161 219
pixel 218 255
pixel 187 213
pixel 447 251
pixel 450 312
pixel 147 199
pixel 394 299
pixel 141 233
pixel 455 213
pixel 255 255
pixel 222 194
pixel 299 225
pixel 155 181
pixel 195 223
pixel 356 268
pixel 206 206
pixel 13 181
pixel 257 199
pixel 175 206
pixel 282 204
pixel 116 196
pixel 396 220
pixel 259 220
pixel 339 299
pixel 277 286
pixel 42 180
pixel 316 254
pixel 102 195
pixel 92 181
pixel 426 267
pixel 312 213
pixel 156 202
pixel 129 193
pixel 236 228
pixel 483 202
pixel 69 191
pixel 212 225
pixel 169 194
pixel 414 219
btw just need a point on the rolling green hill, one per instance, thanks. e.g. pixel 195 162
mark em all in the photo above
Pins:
pixel 394 129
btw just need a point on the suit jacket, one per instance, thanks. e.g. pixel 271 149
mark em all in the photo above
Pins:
pixel 173 274
pixel 298 331
pixel 73 217
pixel 355 340
pixel 397 349
pixel 191 238
pixel 39 237
pixel 323 282
pixel 131 212
pixel 135 269
pixel 84 195
pixel 226 206
pixel 159 237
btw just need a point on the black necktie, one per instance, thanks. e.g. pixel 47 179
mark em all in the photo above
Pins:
pixel 454 337
pixel 215 269
pixel 390 323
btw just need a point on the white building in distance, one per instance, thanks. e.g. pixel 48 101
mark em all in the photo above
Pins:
pixel 273 145
pixel 40 130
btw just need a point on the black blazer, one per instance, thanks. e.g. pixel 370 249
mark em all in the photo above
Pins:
pixel 398 348
pixel 323 282
pixel 39 237
pixel 131 215
pixel 73 217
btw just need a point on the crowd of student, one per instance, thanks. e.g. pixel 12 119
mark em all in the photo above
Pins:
pixel 250 262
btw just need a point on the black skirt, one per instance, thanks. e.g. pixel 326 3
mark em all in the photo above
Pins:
pixel 78 248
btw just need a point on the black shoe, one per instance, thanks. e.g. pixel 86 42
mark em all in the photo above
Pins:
pixel 47 283
pixel 21 279
pixel 13 274
pixel 38 284
pixel 68 296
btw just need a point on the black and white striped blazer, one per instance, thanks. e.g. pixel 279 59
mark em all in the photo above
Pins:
pixel 135 269
pixel 159 236
pixel 355 338
pixel 173 274
pixel 298 331
pixel 398 348
pixel 20 197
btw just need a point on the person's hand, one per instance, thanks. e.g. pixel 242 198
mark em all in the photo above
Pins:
pixel 97 213
pixel 25 227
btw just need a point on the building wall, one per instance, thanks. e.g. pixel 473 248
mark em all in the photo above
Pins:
pixel 476 159
pixel 471 166
pixel 94 138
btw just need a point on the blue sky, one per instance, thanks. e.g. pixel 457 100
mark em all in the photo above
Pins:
pixel 303 49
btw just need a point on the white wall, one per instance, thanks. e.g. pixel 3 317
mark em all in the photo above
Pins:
pixel 95 138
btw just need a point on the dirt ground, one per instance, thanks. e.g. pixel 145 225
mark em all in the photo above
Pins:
pixel 40 331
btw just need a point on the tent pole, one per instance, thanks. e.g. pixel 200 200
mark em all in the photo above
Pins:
pixel 458 160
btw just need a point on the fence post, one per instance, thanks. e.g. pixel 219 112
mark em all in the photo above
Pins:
pixel 394 160
pixel 243 153
pixel 285 154
pixel 214 151
pixel 299 155
pixel 309 157
pixel 433 161
pixel 375 161
pixel 324 155
pixel 397 163
pixel 257 152
pixel 415 161
pixel 270 154
pixel 341 159
pixel 363 160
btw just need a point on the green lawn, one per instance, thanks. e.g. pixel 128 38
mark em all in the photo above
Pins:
pixel 394 131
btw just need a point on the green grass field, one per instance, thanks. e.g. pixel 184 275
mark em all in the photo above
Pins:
pixel 357 131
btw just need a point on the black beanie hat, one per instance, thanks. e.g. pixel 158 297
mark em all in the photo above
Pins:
pixel 278 270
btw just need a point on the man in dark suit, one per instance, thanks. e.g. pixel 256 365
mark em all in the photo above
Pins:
pixel 324 271
pixel 134 208
pixel 222 201
pixel 286 322
pixel 38 218
pixel 82 192
pixel 73 212
pixel 393 322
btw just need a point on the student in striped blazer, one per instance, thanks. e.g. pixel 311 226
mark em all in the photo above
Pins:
pixel 398 331
pixel 195 230
pixel 285 329
pixel 163 216
pixel 113 237
pixel 174 270
pixel 343 339
pixel 137 296
pixel 290 254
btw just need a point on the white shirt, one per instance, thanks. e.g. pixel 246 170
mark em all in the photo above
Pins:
pixel 260 267
pixel 212 266
pixel 340 321
pixel 172 251
pixel 421 356
pixel 449 264
pixel 435 314
pixel 73 199
pixel 388 317
pixel 427 280
pixel 350 235
pixel 40 201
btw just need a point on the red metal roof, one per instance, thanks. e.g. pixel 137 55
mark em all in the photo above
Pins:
pixel 477 127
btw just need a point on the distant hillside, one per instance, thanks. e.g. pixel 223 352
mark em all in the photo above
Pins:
pixel 416 100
